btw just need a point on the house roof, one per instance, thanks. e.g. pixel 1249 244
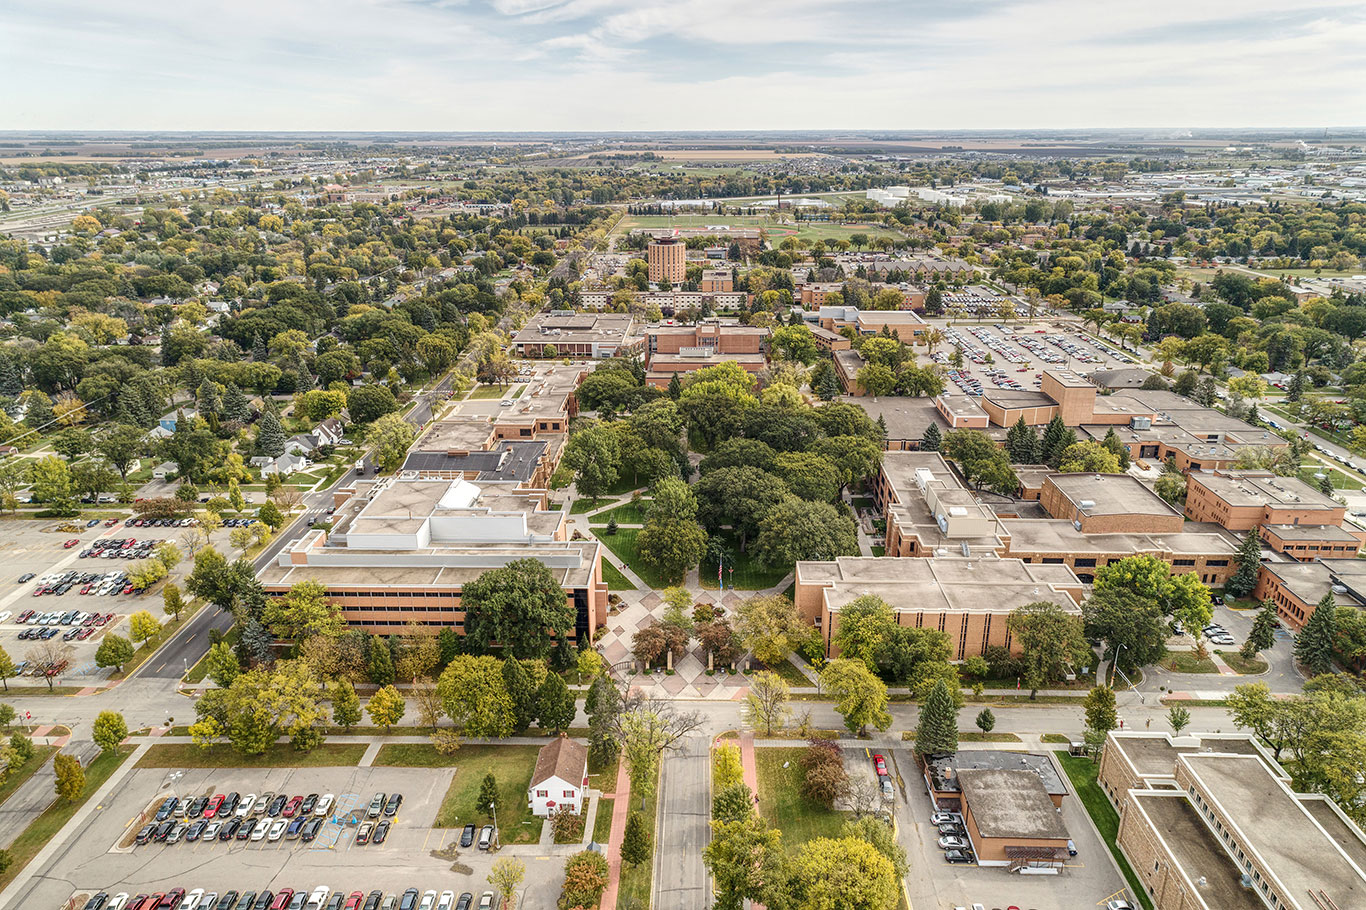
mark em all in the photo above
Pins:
pixel 562 758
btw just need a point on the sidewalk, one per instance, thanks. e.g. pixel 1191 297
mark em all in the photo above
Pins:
pixel 621 804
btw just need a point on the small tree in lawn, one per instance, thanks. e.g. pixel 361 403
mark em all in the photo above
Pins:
pixel 143 626
pixel 386 707
pixel 986 721
pixel 70 783
pixel 937 729
pixel 506 877
pixel 1179 718
pixel 172 603
pixel 222 665
pixel 110 730
pixel 635 842
pixel 1314 643
pixel 114 651
pixel 345 704
pixel 766 704
pixel 7 668
pixel 1102 715
pixel 488 795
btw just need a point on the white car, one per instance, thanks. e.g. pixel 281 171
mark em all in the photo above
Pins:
pixel 486 901
pixel 324 805
pixel 277 830
pixel 428 901
pixel 447 900
pixel 319 896
pixel 259 832
pixel 952 842
pixel 118 902
pixel 244 807
pixel 4 617
pixel 191 901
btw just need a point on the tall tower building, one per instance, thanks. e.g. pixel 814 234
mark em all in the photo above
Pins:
pixel 667 258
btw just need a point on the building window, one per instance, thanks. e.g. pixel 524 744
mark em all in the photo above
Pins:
pixel 543 793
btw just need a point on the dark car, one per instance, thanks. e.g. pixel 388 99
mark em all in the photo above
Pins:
pixel 230 804
pixel 372 900
pixel 166 808
pixel 163 829
pixel 244 832
pixel 263 900
pixel 391 807
pixel 230 829
pixel 196 829
pixel 409 899
pixel 246 901
pixel 144 835
pixel 277 806
pixel 27 576
pixel 309 804
pixel 381 832
pixel 295 828
pixel 951 829
pixel 956 856
pixel 227 901
pixel 97 901
pixel 196 807
pixel 310 829
pixel 467 836
pixel 464 902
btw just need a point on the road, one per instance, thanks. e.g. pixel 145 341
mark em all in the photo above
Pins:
pixel 680 877
pixel 35 794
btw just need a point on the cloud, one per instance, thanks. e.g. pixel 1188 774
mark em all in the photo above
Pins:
pixel 679 64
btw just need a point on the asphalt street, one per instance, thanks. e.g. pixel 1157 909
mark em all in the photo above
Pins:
pixel 680 877
pixel 35 794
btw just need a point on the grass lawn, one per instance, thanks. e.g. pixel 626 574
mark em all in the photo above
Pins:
pixel 1242 664
pixel 602 823
pixel 1338 479
pixel 486 391
pixel 22 773
pixel 630 513
pixel 615 580
pixel 623 545
pixel 1082 773
pixel 510 765
pixel 978 736
pixel 587 504
pixel 281 755
pixel 1055 738
pixel 781 801
pixel 46 826
pixel 636 881
pixel 879 551
pixel 1187 662
pixel 748 574
pixel 791 675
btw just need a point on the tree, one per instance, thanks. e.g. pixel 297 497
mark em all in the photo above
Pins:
pixel 120 445
pixel 1263 634
pixel 506 877
pixel 1022 443
pixel 982 462
pixel 262 705
pixel 489 797
pixel 1314 642
pixel 1172 489
pixel 766 703
pixel 270 435
pixel 380 664
pixel 847 873
pixel 142 626
pixel 522 693
pixel 386 707
pixel 771 628
pixel 1183 596
pixel 222 664
pixel 7 668
pixel 475 697
pixel 1051 640
pixel 932 439
pixel 739 496
pixel 603 706
pixel 796 530
pixel 555 705
pixel 671 547
pixel 367 403
pixel 865 623
pixel 389 438
pixel 647 729
pixel 585 878
pixel 824 778
pixel 1133 627
pixel 518 606
pixel 594 455
pixel 746 860
pixel 1102 715
pixel 1056 438
pixel 1244 578
pixel 635 843
pixel 114 651
pixel 172 604
pixel 1179 718
pixel 345 705
pixel 305 610
pixel 110 729
pixel 937 729
pixel 70 783
pixel 860 697
pixel 51 483
pixel 1088 457
pixel 986 720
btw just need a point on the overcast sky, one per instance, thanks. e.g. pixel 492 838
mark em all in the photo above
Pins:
pixel 679 64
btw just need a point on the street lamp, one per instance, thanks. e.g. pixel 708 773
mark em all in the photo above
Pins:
pixel 494 807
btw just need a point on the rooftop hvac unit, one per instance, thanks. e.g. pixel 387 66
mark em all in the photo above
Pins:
pixel 957 511
pixel 1087 504
pixel 1141 423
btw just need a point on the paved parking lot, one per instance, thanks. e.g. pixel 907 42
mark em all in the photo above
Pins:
pixel 936 885
pixel 92 858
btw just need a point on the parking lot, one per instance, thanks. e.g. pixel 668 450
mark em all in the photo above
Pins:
pixel 36 552
pixel 1086 878
pixel 101 856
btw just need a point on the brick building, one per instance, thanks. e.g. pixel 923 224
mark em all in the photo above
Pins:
pixel 667 258
pixel 1289 515
pixel 684 349
pixel 1297 587
pixel 1108 504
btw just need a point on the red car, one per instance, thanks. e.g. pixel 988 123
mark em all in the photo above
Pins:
pixel 292 807
pixel 172 899
pixel 70 543
pixel 880 764
pixel 25 616
pixel 109 523
pixel 354 901
pixel 282 899
pixel 214 805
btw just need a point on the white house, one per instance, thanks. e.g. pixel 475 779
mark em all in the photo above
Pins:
pixel 164 470
pixel 287 463
pixel 560 779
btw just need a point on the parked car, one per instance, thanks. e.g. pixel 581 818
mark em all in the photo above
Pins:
pixel 363 832
pixel 381 832
pixel 310 829
pixel 144 835
pixel 485 837
pixel 956 856
pixel 216 803
pixel 244 807
pixel 211 831
pixel 277 830
pixel 376 805
pixel 292 807
pixel 324 805
pixel 391 807
pixel 952 843
pixel 879 764
pixel 263 803
pixel 277 805
pixel 246 828
pixel 467 836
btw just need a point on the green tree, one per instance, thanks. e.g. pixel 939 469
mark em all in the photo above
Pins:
pixel 937 729
pixel 1263 634
pixel 70 782
pixel 522 692
pixel 1088 457
pixel 986 720
pixel 368 403
pixel 932 438
pixel 519 606
pixel 796 530
pixel 380 664
pixel 1022 443
pixel 389 438
pixel 603 707
pixel 269 513
pixel 120 445
pixel 221 664
pixel 866 622
pixel 1314 642
pixel 305 610
pixel 1101 712
pixel 671 547
pixel 110 729
pixel 847 873
pixel 555 705
pixel 114 651
pixel 1056 438
pixel 1179 718
pixel 766 702
pixel 747 862
pixel 51 483
pixel 386 707
pixel 860 697
pixel 489 797
pixel 1244 578
pixel 1051 640
pixel 7 668
pixel 142 626
pixel 270 435
pixel 770 627
pixel 1133 628
pixel 345 704
pixel 982 462
pixel 636 847
pixel 594 455
pixel 506 877
pixel 475 697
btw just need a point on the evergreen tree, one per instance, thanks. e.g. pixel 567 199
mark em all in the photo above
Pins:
pixel 827 387
pixel 1244 578
pixel 1263 634
pixel 520 690
pixel 882 428
pixel 1054 441
pixel 555 705
pixel 1206 392
pixel 208 399
pixel 1314 642
pixel 39 413
pixel 488 795
pixel 1022 443
pixel 1326 485
pixel 1113 443
pixel 1295 391
pixel 258 349
pixel 932 439
pixel 11 377
pixel 635 843
pixel 270 435
pixel 675 387
pixel 254 643
pixel 236 407
pixel 937 729
pixel 602 706
pixel 381 663
pixel 986 720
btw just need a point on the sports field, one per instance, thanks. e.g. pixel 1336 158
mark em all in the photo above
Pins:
pixel 777 230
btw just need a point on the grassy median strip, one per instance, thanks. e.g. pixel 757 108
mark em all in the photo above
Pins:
pixel 1082 772
pixel 637 882
pixel 47 825
pixel 280 755
pixel 18 775
pixel 150 646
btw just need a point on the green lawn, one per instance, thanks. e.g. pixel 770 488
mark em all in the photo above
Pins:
pixel 602 823
pixel 879 551
pixel 1082 773
pixel 749 575
pixel 636 881
pixel 511 766
pixel 486 392
pixel 1242 664
pixel 281 755
pixel 782 804
pixel 1187 662
pixel 1339 479
pixel 615 580
pixel 22 773
pixel 623 545
pixel 587 504
pixel 46 826
pixel 791 675
pixel 630 513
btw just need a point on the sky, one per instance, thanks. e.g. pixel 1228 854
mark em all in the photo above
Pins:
pixel 594 65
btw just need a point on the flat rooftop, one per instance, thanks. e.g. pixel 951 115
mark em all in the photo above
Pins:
pixel 1111 494
pixel 945 769
pixel 1273 823
pixel 1011 399
pixel 459 434
pixel 1307 581
pixel 575 327
pixel 1070 379
pixel 1060 536
pixel 1197 852
pixel 1011 804
pixel 1242 489
pixel 546 395
pixel 511 461
pixel 977 584
pixel 1326 533
pixel 906 418
pixel 1154 754
pixel 572 563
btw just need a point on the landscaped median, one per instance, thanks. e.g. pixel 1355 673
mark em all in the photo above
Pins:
pixel 36 836
pixel 17 776
pixel 280 755
pixel 165 634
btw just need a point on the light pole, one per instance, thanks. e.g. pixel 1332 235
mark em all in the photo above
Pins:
pixel 494 807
